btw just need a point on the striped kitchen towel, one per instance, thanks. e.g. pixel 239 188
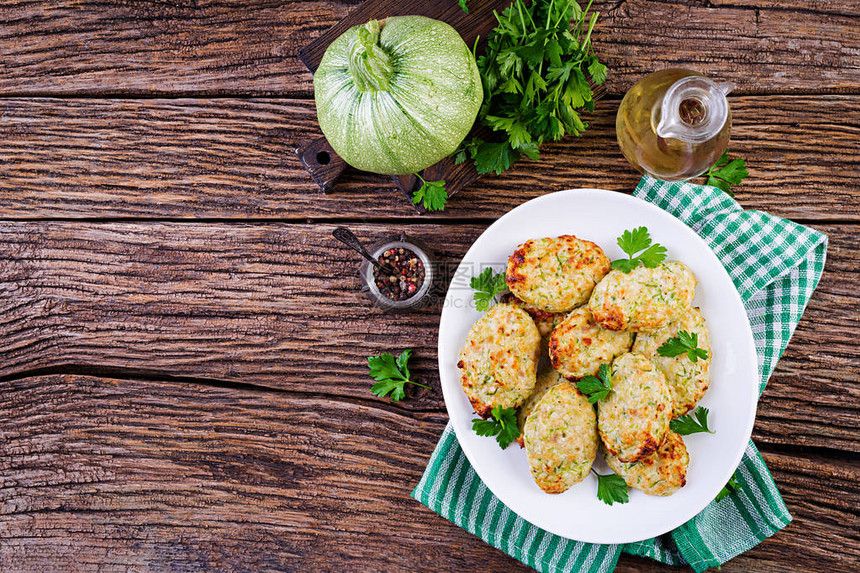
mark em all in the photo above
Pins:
pixel 775 265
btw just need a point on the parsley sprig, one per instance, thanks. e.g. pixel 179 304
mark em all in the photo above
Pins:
pixel 464 6
pixel 687 424
pixel 534 78
pixel 503 426
pixel 731 487
pixel 611 488
pixel 391 374
pixel 685 342
pixel 596 387
pixel 487 285
pixel 639 241
pixel 725 173
pixel 432 194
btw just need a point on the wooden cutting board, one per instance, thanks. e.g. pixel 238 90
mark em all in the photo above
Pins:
pixel 319 158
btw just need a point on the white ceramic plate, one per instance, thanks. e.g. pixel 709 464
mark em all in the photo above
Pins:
pixel 601 216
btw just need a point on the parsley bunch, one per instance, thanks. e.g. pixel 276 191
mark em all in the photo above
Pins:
pixel 391 374
pixel 725 173
pixel 432 194
pixel 503 426
pixel 596 387
pixel 685 342
pixel 611 488
pixel 731 487
pixel 487 285
pixel 639 241
pixel 534 78
pixel 686 424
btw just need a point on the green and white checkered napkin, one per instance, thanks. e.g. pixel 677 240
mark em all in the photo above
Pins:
pixel 775 265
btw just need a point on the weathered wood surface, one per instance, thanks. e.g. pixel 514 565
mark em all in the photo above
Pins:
pixel 277 306
pixel 473 26
pixel 129 475
pixel 91 158
pixel 227 423
pixel 140 47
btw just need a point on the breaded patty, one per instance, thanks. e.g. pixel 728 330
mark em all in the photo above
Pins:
pixel 578 346
pixel 498 362
pixel 644 299
pixel 546 379
pixel 561 438
pixel 634 418
pixel 687 380
pixel 662 473
pixel 544 320
pixel 556 274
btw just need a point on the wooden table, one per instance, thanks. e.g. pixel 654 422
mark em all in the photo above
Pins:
pixel 184 381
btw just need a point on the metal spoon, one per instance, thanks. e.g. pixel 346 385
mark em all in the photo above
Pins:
pixel 349 239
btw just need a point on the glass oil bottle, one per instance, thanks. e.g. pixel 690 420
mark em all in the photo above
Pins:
pixel 674 124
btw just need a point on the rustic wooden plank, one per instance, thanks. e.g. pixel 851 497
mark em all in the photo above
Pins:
pixel 104 47
pixel 823 7
pixel 277 305
pixel 472 25
pixel 234 159
pixel 761 46
pixel 114 475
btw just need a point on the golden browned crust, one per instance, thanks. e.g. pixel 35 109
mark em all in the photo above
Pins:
pixel 544 320
pixel 553 488
pixel 633 419
pixel 578 345
pixel 498 362
pixel 645 299
pixel 556 274
pixel 554 345
pixel 688 380
pixel 609 318
pixel 561 439
pixel 661 473
pixel 480 409
pixel 515 262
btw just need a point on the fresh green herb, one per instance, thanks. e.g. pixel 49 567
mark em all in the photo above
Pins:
pixel 391 374
pixel 464 6
pixel 596 387
pixel 534 78
pixel 639 241
pixel 729 488
pixel 432 194
pixel 724 173
pixel 686 424
pixel 487 285
pixel 685 342
pixel 611 489
pixel 503 426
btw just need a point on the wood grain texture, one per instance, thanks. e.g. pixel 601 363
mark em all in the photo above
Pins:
pixel 234 159
pixel 763 47
pixel 144 47
pixel 238 432
pixel 141 47
pixel 278 306
pixel 119 475
pixel 472 26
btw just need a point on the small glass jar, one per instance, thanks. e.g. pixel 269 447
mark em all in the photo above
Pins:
pixel 422 295
pixel 674 124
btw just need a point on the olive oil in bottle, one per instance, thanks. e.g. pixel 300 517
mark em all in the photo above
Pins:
pixel 674 124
